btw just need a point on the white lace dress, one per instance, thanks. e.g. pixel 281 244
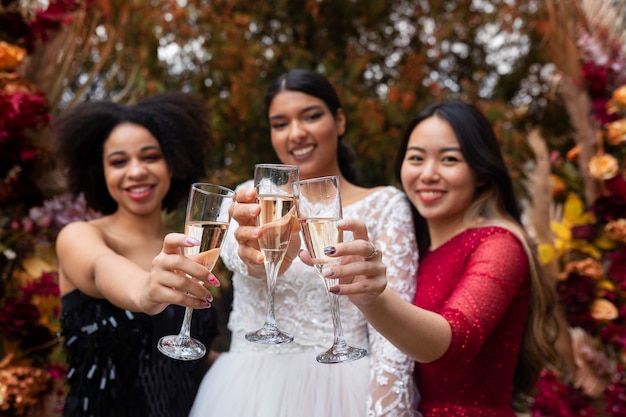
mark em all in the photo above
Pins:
pixel 255 380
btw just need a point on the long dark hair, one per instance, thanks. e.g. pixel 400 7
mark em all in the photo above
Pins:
pixel 315 84
pixel 481 150
pixel 496 201
pixel 179 122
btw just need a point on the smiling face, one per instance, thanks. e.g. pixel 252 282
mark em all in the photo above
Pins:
pixel 436 176
pixel 136 172
pixel 305 133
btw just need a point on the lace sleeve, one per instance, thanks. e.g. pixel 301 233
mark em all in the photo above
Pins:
pixel 228 253
pixel 392 389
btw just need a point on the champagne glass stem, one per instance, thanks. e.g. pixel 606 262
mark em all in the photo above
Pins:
pixel 272 275
pixel 339 342
pixel 185 329
pixel 270 333
pixel 340 351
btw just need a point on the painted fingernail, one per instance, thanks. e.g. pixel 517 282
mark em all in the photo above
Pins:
pixel 341 223
pixel 213 280
pixel 209 298
pixel 334 290
pixel 328 272
pixel 329 250
pixel 192 241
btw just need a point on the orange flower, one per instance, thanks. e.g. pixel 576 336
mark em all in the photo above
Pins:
pixel 588 267
pixel 616 132
pixel 616 230
pixel 558 185
pixel 603 167
pixel 11 83
pixel 603 309
pixel 572 154
pixel 10 56
pixel 618 100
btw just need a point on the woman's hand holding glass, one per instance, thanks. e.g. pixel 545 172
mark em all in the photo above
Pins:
pixel 206 221
pixel 273 184
pixel 169 281
pixel 362 275
pixel 319 209
pixel 245 212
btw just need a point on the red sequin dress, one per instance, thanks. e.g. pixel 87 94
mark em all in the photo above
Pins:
pixel 479 282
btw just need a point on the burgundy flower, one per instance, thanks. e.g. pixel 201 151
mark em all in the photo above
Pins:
pixel 617 186
pixel 57 14
pixel 599 112
pixel 57 371
pixel 559 400
pixel 584 232
pixel 17 318
pixel 614 334
pixel 617 267
pixel 22 111
pixel 47 285
pixel 576 295
pixel 607 208
pixel 595 78
pixel 615 394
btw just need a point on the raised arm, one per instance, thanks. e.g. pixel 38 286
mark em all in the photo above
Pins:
pixel 498 267
pixel 87 263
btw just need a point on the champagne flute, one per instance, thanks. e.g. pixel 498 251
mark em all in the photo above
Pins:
pixel 318 202
pixel 207 220
pixel 274 189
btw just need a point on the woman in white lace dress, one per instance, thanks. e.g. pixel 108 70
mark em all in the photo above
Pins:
pixel 255 380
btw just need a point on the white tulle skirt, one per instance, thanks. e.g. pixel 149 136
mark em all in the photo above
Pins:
pixel 254 384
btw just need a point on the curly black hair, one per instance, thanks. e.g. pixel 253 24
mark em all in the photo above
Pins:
pixel 179 121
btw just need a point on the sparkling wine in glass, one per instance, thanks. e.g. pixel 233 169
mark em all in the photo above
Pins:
pixel 207 220
pixel 319 208
pixel 274 189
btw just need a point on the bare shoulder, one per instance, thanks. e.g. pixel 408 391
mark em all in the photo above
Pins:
pixel 78 245
pixel 355 193
pixel 78 232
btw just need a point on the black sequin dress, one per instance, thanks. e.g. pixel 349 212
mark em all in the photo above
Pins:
pixel 114 368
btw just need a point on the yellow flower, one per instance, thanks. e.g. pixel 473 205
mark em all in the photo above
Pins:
pixel 33 267
pixel 545 253
pixel 574 214
pixel 603 309
pixel 10 56
pixel 616 132
pixel 602 242
pixel 603 167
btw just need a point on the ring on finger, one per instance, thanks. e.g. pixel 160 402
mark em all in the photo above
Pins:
pixel 374 251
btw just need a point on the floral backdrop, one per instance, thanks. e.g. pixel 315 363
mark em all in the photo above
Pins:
pixel 586 251
pixel 589 219
pixel 31 361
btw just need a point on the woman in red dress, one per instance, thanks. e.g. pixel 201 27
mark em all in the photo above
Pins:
pixel 482 324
